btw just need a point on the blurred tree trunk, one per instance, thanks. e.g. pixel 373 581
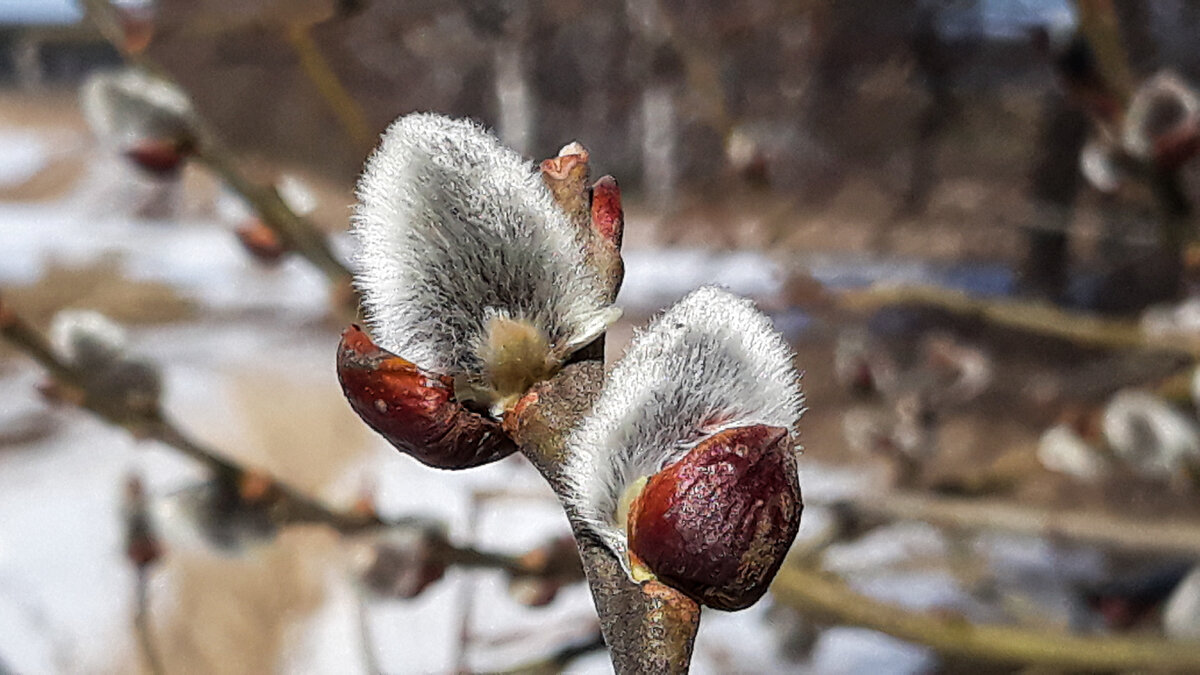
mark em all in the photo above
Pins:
pixel 1054 185
pixel 855 36
pixel 1141 49
pixel 933 61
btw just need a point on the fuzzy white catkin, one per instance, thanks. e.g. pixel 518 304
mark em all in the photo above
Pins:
pixel 86 339
pixel 454 229
pixel 709 363
pixel 1149 435
pixel 127 106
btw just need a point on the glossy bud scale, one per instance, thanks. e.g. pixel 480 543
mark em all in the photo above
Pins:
pixel 414 410
pixel 718 523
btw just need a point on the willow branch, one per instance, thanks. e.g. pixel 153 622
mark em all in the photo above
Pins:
pixel 649 627
pixel 318 71
pixel 296 232
pixel 141 623
pixel 820 595
pixel 1099 24
pixel 1163 536
pixel 292 506
pixel 1033 317
pixel 560 659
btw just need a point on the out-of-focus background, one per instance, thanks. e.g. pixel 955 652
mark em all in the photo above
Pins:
pixel 973 219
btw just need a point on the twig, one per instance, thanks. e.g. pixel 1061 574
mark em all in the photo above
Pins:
pixel 819 594
pixel 291 506
pixel 560 659
pixel 298 233
pixel 141 622
pixel 649 627
pixel 366 635
pixel 1033 317
pixel 316 67
pixel 1099 24
pixel 1158 536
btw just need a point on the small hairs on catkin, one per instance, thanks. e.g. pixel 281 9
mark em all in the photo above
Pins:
pixel 711 362
pixel 467 266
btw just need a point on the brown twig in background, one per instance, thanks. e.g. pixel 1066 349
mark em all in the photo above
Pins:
pixel 296 232
pixel 1031 316
pixel 821 595
pixel 555 663
pixel 316 67
pixel 1099 24
pixel 1128 534
pixel 143 550
pixel 141 622
pixel 365 635
pixel 288 506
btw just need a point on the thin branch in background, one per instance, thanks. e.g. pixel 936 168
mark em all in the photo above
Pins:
pixel 1030 316
pixel 1098 22
pixel 288 505
pixel 141 622
pixel 143 550
pixel 1172 537
pixel 296 232
pixel 366 637
pixel 562 657
pixel 820 595
pixel 466 597
pixel 316 67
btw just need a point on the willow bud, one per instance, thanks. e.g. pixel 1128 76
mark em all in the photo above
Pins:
pixel 718 523
pixel 686 468
pixel 416 411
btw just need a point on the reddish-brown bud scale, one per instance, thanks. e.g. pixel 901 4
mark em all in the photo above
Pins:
pixel 137 27
pixel 1174 148
pixel 414 410
pixel 261 241
pixel 718 523
pixel 566 175
pixel 160 157
pixel 608 218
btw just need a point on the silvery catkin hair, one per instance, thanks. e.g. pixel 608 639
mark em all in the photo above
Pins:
pixel 455 230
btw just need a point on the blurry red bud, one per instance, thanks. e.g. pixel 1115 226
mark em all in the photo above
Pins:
pixel 255 488
pixel 137 25
pixel 718 523
pixel 1174 148
pixel 261 241
pixel 142 547
pixel 532 591
pixel 414 410
pixel 159 157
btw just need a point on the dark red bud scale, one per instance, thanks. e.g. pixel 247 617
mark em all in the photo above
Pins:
pixel 414 410
pixel 718 523
pixel 159 157
pixel 1175 147
pixel 261 241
